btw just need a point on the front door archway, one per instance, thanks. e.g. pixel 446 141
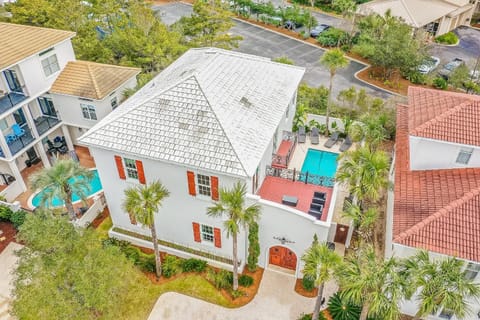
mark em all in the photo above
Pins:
pixel 283 257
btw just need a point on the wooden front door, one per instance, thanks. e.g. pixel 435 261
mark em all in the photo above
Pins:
pixel 341 233
pixel 283 257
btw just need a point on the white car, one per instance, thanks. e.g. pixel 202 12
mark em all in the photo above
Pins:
pixel 429 64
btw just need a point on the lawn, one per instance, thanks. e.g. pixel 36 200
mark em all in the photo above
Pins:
pixel 103 228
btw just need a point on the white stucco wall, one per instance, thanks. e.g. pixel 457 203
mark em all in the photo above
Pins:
pixel 429 154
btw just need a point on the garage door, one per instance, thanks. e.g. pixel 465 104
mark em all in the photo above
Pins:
pixel 283 257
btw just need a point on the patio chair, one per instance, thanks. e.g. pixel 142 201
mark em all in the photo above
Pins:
pixel 319 195
pixel 302 136
pixel 332 140
pixel 347 143
pixel 314 135
pixel 19 132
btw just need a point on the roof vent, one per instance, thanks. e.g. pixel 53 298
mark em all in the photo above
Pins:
pixel 201 114
pixel 245 102
pixel 183 125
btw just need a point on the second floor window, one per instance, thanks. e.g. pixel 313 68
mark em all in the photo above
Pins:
pixel 207 233
pixel 114 103
pixel 204 185
pixel 88 112
pixel 471 271
pixel 464 155
pixel 131 168
pixel 46 105
pixel 50 65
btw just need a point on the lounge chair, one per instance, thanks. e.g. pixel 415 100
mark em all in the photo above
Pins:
pixel 302 136
pixel 19 132
pixel 332 140
pixel 314 135
pixel 347 143
pixel 320 195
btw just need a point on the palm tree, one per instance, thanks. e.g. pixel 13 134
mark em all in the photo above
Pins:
pixel 62 180
pixel 443 285
pixel 371 129
pixel 365 172
pixel 320 264
pixel 333 60
pixel 232 204
pixel 373 283
pixel 142 202
pixel 363 221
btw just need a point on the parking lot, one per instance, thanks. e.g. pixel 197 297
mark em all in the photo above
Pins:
pixel 259 41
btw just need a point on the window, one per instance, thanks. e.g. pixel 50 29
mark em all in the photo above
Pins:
pixel 131 167
pixel 446 314
pixel 207 233
pixel 471 271
pixel 286 112
pixel 464 155
pixel 114 103
pixel 50 65
pixel 3 124
pixel 88 112
pixel 204 185
pixel 46 105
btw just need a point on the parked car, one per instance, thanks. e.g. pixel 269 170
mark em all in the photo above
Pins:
pixel 315 32
pixel 292 25
pixel 429 64
pixel 449 67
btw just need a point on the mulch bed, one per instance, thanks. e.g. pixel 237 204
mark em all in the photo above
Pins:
pixel 8 234
pixel 301 290
pixel 100 218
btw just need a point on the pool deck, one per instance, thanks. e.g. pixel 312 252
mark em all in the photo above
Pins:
pixel 302 148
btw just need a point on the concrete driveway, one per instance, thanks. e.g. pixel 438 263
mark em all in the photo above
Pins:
pixel 262 42
pixel 8 260
pixel 275 300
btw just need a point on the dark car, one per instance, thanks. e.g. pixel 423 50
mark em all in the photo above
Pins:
pixel 292 25
pixel 315 32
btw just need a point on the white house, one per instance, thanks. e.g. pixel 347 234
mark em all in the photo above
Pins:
pixel 33 59
pixel 210 119
pixel 435 204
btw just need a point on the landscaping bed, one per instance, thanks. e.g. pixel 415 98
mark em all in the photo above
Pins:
pixel 300 289
pixel 8 234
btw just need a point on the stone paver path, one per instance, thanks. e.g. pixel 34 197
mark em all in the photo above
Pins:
pixel 8 261
pixel 276 300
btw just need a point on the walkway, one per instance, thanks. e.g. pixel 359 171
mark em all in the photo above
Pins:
pixel 275 300
pixel 8 261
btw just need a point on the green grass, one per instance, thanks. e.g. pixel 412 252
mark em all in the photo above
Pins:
pixel 103 228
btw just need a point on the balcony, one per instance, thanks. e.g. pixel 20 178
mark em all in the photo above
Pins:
pixel 11 99
pixel 17 142
pixel 43 123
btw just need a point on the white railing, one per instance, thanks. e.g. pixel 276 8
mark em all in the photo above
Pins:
pixel 95 209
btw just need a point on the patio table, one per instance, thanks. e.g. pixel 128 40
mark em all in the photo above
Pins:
pixel 290 200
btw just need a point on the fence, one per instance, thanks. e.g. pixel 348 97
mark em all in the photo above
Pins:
pixel 98 205
pixel 295 175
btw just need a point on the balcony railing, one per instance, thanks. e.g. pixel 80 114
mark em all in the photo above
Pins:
pixel 11 99
pixel 295 175
pixel 44 123
pixel 17 143
pixel 282 157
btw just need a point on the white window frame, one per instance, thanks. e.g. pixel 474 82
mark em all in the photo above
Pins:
pixel 464 156
pixel 205 234
pixel 131 170
pixel 204 189
pixel 3 124
pixel 89 112
pixel 472 269
pixel 51 66
pixel 114 102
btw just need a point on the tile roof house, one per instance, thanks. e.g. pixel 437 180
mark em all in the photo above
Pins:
pixel 437 176
pixel 211 119
pixel 435 16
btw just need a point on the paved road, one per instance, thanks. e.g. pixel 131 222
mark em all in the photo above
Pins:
pixel 259 41
pixel 8 261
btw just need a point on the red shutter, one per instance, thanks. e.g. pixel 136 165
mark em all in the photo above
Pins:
pixel 217 237
pixel 191 183
pixel 121 171
pixel 132 219
pixel 141 174
pixel 214 181
pixel 196 232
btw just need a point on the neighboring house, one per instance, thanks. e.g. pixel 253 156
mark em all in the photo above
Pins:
pixel 85 92
pixel 435 16
pixel 31 61
pixel 209 120
pixel 436 200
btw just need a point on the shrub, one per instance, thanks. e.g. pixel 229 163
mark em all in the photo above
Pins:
pixel 237 294
pixel 341 309
pixel 440 83
pixel 253 247
pixel 18 218
pixel 245 280
pixel 122 244
pixel 332 37
pixel 308 283
pixel 146 262
pixel 192 264
pixel 416 77
pixel 221 280
pixel 447 38
pixel 170 266
pixel 5 213
pixel 132 253
pixel 304 316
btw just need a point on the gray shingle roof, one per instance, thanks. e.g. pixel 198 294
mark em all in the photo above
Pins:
pixel 211 109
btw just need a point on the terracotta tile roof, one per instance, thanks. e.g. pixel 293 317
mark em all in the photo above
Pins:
pixel 91 80
pixel 447 116
pixel 19 41
pixel 438 210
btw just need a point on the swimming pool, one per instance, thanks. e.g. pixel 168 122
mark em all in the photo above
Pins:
pixel 95 186
pixel 320 163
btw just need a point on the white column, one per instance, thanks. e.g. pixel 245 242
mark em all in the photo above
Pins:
pixel 30 122
pixel 18 176
pixel 43 154
pixel 5 148
pixel 68 139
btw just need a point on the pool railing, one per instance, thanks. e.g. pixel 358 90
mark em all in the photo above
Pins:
pixel 297 175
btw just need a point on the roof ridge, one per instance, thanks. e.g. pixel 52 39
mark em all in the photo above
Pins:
pixel 94 80
pixel 35 27
pixel 438 214
pixel 103 64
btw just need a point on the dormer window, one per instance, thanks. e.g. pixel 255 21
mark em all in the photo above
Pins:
pixel 464 155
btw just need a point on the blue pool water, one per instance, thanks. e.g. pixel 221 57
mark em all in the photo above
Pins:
pixel 95 186
pixel 321 163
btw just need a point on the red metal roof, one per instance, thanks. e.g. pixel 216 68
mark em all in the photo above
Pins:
pixel 438 210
